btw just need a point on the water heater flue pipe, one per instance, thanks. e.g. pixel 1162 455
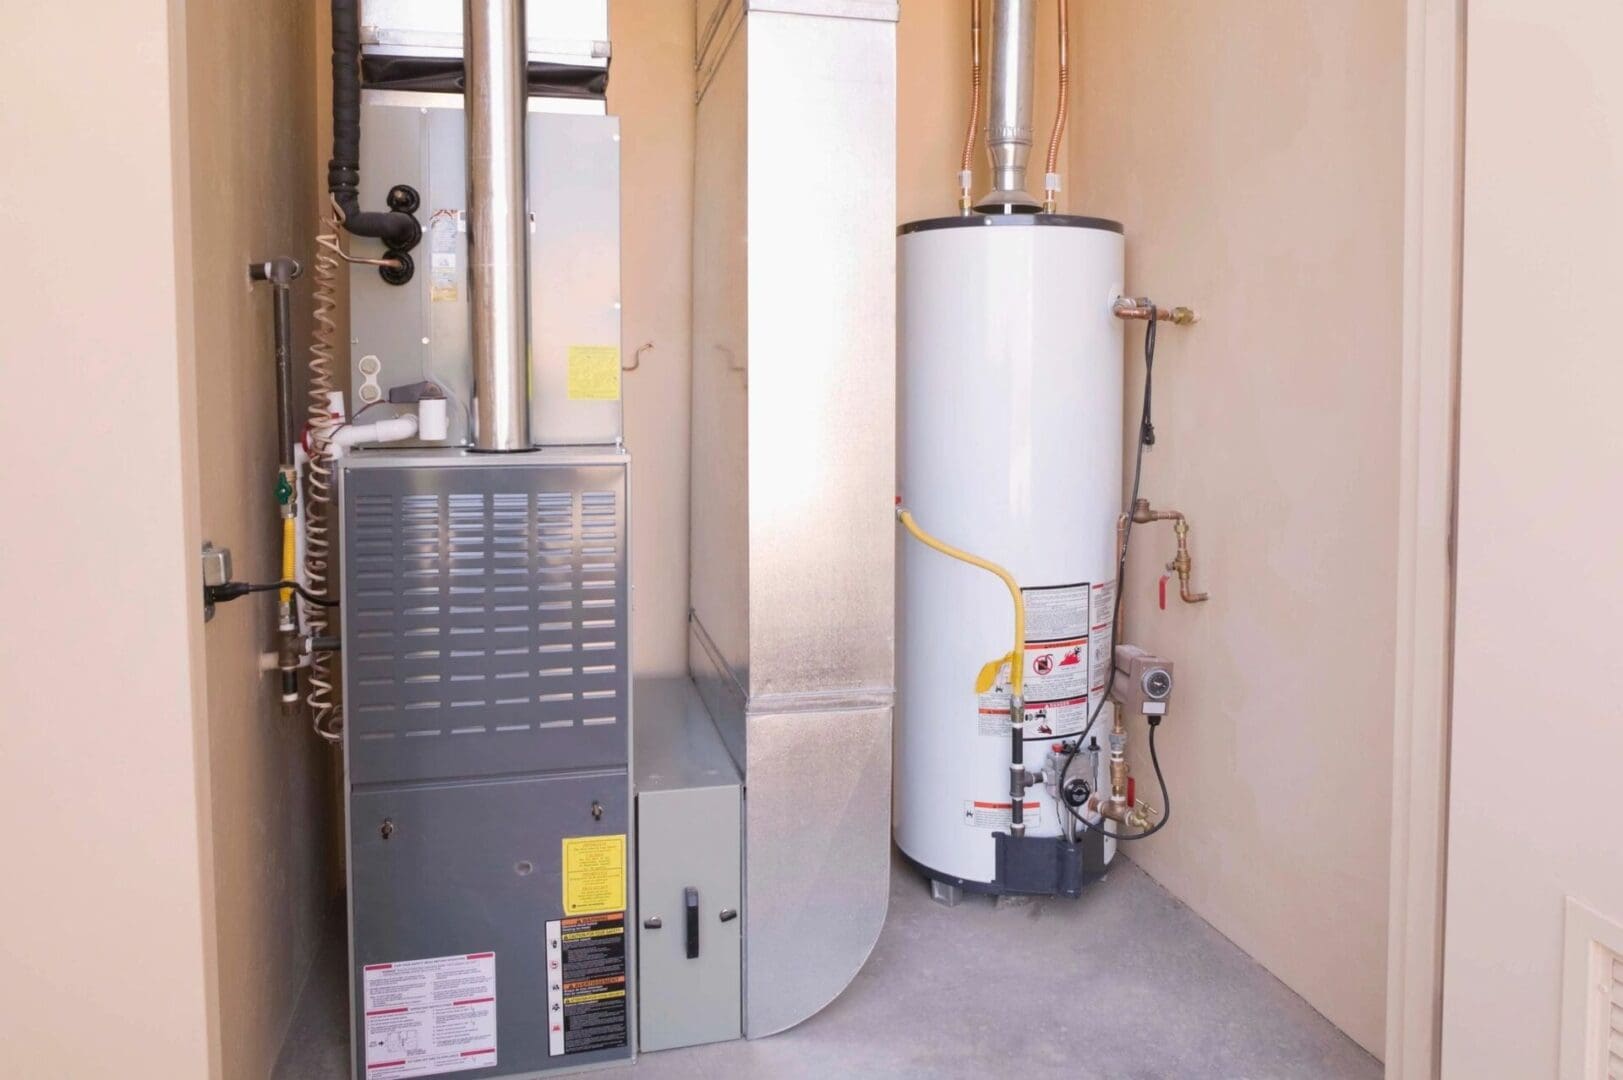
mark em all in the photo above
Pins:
pixel 496 52
pixel 1008 115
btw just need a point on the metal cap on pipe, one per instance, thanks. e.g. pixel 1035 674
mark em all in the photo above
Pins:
pixel 496 54
pixel 1008 115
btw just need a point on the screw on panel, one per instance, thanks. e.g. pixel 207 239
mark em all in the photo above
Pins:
pixel 387 830
pixel 597 810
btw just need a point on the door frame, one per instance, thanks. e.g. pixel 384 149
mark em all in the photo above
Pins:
pixel 1423 676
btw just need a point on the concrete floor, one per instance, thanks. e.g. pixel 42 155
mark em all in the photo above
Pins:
pixel 1179 1002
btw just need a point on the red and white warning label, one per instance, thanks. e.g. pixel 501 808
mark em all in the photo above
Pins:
pixel 1058 620
pixel 1067 662
pixel 995 815
pixel 427 1017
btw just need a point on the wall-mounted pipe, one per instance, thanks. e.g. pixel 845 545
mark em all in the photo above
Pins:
pixel 1182 564
pixel 280 274
pixel 1144 309
pixel 1008 114
pixel 496 54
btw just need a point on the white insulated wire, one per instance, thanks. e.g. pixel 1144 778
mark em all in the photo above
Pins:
pixel 326 711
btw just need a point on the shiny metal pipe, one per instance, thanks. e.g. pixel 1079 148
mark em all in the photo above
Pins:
pixel 1008 116
pixel 496 52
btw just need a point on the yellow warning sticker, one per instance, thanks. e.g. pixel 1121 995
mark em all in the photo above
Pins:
pixel 594 373
pixel 594 874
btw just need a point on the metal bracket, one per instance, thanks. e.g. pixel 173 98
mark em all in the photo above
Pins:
pixel 216 571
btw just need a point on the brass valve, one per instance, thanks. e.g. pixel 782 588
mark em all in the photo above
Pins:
pixel 1182 564
pixel 1142 816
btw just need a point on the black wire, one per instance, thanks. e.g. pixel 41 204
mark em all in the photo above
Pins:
pixel 1146 437
pixel 318 601
pixel 231 590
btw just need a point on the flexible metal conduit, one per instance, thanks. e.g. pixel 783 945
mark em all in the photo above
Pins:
pixel 1062 110
pixel 966 165
pixel 495 50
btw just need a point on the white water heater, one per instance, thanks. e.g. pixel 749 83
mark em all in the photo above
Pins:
pixel 1010 446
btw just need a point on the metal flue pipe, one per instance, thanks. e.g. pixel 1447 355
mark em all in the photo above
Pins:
pixel 496 53
pixel 1008 116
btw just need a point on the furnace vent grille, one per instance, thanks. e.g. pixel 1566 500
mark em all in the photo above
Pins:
pixel 484 620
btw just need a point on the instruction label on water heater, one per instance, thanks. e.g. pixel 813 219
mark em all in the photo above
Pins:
pixel 995 815
pixel 1102 634
pixel 427 1017
pixel 1057 665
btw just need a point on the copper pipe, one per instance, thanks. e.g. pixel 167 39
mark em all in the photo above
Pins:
pixel 1061 111
pixel 1127 307
pixel 966 166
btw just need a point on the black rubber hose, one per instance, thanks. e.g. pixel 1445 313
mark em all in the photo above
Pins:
pixel 396 229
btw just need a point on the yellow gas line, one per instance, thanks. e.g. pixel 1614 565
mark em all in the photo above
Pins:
pixel 1017 662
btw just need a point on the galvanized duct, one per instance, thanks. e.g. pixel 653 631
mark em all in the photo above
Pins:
pixel 495 50
pixel 1008 116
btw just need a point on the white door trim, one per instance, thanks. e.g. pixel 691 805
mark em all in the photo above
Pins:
pixel 1425 582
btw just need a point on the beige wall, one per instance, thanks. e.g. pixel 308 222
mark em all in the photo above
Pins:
pixel 1263 184
pixel 106 903
pixel 1538 729
pixel 251 84
pixel 651 91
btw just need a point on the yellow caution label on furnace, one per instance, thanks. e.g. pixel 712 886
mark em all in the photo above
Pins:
pixel 594 874
pixel 594 373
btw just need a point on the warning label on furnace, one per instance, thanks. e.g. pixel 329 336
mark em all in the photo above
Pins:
pixel 594 874
pixel 995 815
pixel 586 984
pixel 1057 666
pixel 442 253
pixel 426 1017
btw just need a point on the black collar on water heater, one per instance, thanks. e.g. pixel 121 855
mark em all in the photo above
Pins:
pixel 970 221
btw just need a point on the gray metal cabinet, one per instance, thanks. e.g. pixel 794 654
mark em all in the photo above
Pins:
pixel 689 880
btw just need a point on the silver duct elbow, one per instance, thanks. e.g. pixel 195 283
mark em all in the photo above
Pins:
pixel 1008 116
pixel 496 54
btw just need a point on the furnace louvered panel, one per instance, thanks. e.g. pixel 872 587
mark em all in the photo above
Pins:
pixel 485 619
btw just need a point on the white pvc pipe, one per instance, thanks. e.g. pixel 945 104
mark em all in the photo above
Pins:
pixel 392 430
